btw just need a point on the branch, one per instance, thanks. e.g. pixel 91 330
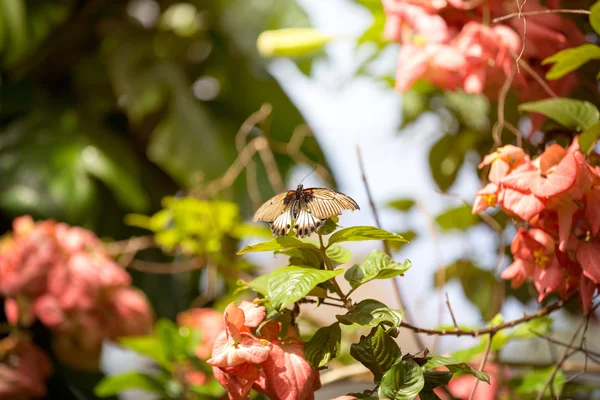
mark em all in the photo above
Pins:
pixel 488 348
pixel 530 13
pixel 386 248
pixel 485 331
pixel 562 359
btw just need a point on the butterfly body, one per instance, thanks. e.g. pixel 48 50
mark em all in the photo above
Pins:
pixel 304 209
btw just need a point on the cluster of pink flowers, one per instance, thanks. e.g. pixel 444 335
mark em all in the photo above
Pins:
pixel 62 276
pixel 558 196
pixel 244 359
pixel 24 369
pixel 450 44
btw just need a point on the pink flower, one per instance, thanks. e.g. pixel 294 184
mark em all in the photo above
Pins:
pixel 210 324
pixel 288 376
pixel 439 64
pixel 413 24
pixel 132 313
pixel 488 55
pixel 236 345
pixel 486 197
pixel 24 370
pixel 26 261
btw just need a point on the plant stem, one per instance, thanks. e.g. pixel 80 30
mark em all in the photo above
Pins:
pixel 329 267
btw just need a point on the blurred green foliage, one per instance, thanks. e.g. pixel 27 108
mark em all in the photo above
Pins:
pixel 106 107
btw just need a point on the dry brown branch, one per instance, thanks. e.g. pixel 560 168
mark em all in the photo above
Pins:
pixel 594 356
pixel 451 312
pixel 497 130
pixel 488 348
pixel 543 12
pixel 240 141
pixel 293 149
pixel 485 331
pixel 396 285
pixel 566 354
pixel 534 75
pixel 173 267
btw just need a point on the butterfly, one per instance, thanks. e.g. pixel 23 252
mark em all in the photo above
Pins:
pixel 305 209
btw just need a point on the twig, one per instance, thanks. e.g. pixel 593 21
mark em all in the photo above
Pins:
pixel 451 312
pixel 493 329
pixel 515 131
pixel 440 271
pixel 535 75
pixel 131 245
pixel 594 356
pixel 562 359
pixel 266 154
pixel 488 348
pixel 497 131
pixel 530 13
pixel 523 41
pixel 174 267
pixel 240 141
pixel 363 175
pixel 396 285
pixel 568 366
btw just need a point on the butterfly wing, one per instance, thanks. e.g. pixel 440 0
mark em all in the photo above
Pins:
pixel 326 203
pixel 282 224
pixel 307 223
pixel 272 208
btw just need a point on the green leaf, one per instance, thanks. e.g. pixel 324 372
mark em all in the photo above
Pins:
pixel 378 352
pixel 176 346
pixel 427 394
pixel 289 284
pixel 113 385
pixel 455 366
pixel 402 204
pixel 595 17
pixel 338 254
pixel 374 33
pixel 362 233
pixel 524 331
pixel 434 379
pixel 409 235
pixel 146 345
pixel 324 346
pixel 285 242
pixel 534 382
pixel 460 218
pixel 260 284
pixel 480 286
pixel 303 256
pixel 471 110
pixel 570 113
pixel 377 265
pixel 403 382
pixel 569 60
pixel 414 104
pixel 587 140
pixel 330 225
pixel 371 312
pixel 447 156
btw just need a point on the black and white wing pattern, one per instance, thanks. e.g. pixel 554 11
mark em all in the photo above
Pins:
pixel 282 224
pixel 272 208
pixel 306 223
pixel 326 203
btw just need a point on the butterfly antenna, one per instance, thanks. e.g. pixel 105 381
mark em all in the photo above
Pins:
pixel 309 174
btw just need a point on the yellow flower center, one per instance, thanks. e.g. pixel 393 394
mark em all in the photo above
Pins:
pixel 541 259
pixel 490 199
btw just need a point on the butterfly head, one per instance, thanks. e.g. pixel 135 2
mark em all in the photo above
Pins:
pixel 300 188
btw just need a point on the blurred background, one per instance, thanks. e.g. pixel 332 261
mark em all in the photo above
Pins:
pixel 108 107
